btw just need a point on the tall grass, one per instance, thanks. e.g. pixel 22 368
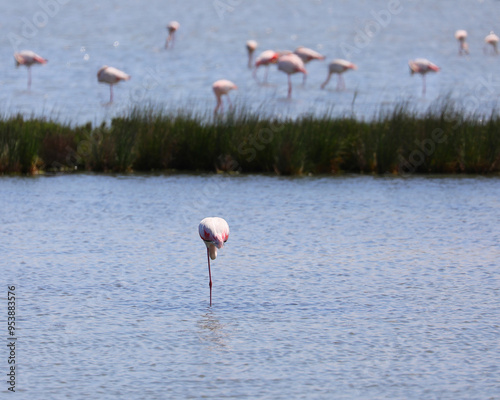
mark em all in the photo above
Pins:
pixel 442 140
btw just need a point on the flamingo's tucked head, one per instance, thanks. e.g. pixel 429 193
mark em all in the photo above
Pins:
pixel 216 243
pixel 220 239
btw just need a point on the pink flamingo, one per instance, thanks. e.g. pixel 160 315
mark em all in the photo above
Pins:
pixel 172 27
pixel 111 76
pixel 291 64
pixel 265 58
pixel 251 46
pixel 220 88
pixel 338 66
pixel 307 55
pixel 28 58
pixel 461 35
pixel 422 66
pixel 492 40
pixel 214 232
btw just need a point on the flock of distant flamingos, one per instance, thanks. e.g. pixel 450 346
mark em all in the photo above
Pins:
pixel 287 61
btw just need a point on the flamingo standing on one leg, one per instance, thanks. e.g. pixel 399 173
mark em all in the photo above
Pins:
pixel 214 231
pixel 422 66
pixel 307 55
pixel 461 35
pixel 220 88
pixel 111 76
pixel 172 27
pixel 338 66
pixel 28 58
pixel 265 58
pixel 492 40
pixel 251 46
pixel 291 64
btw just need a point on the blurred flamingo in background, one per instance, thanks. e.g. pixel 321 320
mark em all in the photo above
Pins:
pixel 28 58
pixel 307 55
pixel 251 46
pixel 491 40
pixel 461 35
pixel 220 88
pixel 422 66
pixel 214 232
pixel 338 66
pixel 265 58
pixel 172 27
pixel 111 76
pixel 291 64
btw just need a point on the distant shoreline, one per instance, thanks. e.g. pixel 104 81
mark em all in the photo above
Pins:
pixel 442 140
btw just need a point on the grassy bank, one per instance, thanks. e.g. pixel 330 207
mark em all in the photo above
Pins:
pixel 441 140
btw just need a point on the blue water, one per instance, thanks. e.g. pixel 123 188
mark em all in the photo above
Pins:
pixel 328 288
pixel 379 36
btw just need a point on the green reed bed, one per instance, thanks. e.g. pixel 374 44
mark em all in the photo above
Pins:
pixel 442 140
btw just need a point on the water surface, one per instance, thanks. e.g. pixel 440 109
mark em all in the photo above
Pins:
pixel 345 287
pixel 379 36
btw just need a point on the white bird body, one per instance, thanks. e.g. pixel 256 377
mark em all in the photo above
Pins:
pixel 265 58
pixel 172 27
pixel 461 35
pixel 291 64
pixel 307 55
pixel 28 58
pixel 111 76
pixel 422 66
pixel 492 39
pixel 251 46
pixel 214 232
pixel 220 88
pixel 338 66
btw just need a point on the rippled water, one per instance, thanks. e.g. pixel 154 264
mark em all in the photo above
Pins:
pixel 345 288
pixel 380 36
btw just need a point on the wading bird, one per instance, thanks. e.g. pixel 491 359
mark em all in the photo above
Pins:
pixel 111 76
pixel 251 46
pixel 291 64
pixel 461 35
pixel 214 232
pixel 28 58
pixel 307 55
pixel 492 40
pixel 422 66
pixel 172 27
pixel 265 58
pixel 338 66
pixel 220 88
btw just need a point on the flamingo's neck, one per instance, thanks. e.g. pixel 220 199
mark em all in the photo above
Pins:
pixel 213 251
